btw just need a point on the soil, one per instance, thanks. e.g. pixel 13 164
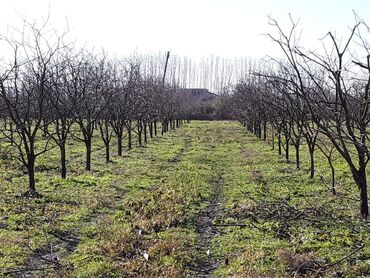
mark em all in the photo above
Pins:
pixel 206 263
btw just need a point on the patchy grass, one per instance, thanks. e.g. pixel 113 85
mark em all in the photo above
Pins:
pixel 290 225
pixel 103 223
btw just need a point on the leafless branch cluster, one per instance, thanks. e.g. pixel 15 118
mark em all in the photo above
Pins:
pixel 316 97
pixel 51 93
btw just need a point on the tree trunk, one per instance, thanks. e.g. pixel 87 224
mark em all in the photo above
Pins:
pixel 31 174
pixel 129 139
pixel 259 130
pixel 155 128
pixel 312 161
pixel 88 155
pixel 119 145
pixel 139 128
pixel 364 206
pixel 163 127
pixel 63 170
pixel 286 148
pixel 145 133
pixel 360 179
pixel 151 130
pixel 139 138
pixel 45 129
pixel 11 133
pixel 264 131
pixel 107 152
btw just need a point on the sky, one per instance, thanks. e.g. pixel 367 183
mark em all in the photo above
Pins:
pixel 192 28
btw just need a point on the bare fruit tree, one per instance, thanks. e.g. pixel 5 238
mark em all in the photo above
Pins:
pixel 24 90
pixel 335 87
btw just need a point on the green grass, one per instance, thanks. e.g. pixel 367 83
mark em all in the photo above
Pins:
pixel 290 219
pixel 99 223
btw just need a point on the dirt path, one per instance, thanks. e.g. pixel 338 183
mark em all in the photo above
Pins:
pixel 207 262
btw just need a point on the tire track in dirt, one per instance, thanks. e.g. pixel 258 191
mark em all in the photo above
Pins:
pixel 207 262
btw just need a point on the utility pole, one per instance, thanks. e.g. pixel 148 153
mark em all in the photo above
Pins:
pixel 165 66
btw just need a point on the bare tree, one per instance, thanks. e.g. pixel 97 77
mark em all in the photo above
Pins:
pixel 87 83
pixel 62 102
pixel 24 88
pixel 338 102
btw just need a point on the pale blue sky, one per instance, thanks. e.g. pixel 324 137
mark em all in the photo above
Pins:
pixel 189 27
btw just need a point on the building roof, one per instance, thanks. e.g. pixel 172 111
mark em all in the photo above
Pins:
pixel 198 93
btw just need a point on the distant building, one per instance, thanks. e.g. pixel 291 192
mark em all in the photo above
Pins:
pixel 197 94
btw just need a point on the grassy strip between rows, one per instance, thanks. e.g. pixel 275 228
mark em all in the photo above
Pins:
pixel 100 224
pixel 104 223
pixel 289 225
